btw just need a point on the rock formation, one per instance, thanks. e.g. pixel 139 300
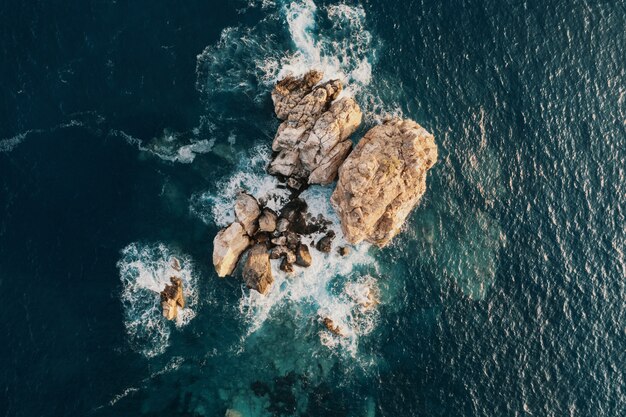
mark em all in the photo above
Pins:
pixel 257 272
pixel 312 142
pixel 172 298
pixel 267 221
pixel 228 246
pixel 382 180
pixel 247 212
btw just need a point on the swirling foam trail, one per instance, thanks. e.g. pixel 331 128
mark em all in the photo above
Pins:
pixel 144 272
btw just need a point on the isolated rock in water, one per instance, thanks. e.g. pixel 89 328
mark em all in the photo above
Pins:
pixel 325 243
pixel 267 221
pixel 257 272
pixel 228 246
pixel 313 141
pixel 382 180
pixel 303 256
pixel 330 325
pixel 247 211
pixel 172 298
pixel 343 251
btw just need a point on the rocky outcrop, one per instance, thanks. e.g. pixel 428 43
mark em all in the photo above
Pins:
pixel 172 298
pixel 335 329
pixel 303 256
pixel 228 246
pixel 247 212
pixel 382 180
pixel 257 272
pixel 267 221
pixel 312 142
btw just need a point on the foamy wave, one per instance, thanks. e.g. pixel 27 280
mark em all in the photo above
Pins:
pixel 171 146
pixel 217 207
pixel 144 272
pixel 327 286
pixel 293 38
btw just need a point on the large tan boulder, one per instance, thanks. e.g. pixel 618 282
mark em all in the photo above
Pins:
pixel 313 140
pixel 382 180
pixel 172 298
pixel 247 212
pixel 228 246
pixel 257 271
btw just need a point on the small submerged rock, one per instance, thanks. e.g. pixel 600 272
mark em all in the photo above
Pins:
pixel 172 298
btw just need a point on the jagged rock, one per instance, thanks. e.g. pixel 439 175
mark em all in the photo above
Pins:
pixel 303 256
pixel 343 250
pixel 172 298
pixel 330 325
pixel 262 237
pixel 267 220
pixel 289 91
pixel 294 183
pixel 286 266
pixel 313 141
pixel 279 241
pixel 257 272
pixel 282 225
pixel 247 212
pixel 382 180
pixel 228 246
pixel 325 243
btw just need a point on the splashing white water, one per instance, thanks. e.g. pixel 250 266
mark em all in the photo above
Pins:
pixel 144 272
pixel 218 207
pixel 293 38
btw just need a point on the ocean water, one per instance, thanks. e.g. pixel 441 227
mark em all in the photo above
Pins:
pixel 127 128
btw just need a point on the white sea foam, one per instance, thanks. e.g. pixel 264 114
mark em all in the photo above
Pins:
pixel 294 37
pixel 170 146
pixel 144 272
pixel 217 207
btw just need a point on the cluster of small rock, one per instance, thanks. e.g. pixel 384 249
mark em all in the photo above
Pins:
pixel 269 235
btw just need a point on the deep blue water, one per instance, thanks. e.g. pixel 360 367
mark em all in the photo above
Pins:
pixel 125 129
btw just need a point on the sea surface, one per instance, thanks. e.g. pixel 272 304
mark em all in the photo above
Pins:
pixel 126 129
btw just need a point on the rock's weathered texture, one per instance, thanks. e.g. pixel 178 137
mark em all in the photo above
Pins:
pixel 267 221
pixel 303 256
pixel 172 298
pixel 313 141
pixel 257 272
pixel 382 180
pixel 247 211
pixel 228 246
pixel 289 91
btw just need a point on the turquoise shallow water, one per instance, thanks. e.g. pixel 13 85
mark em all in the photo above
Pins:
pixel 126 129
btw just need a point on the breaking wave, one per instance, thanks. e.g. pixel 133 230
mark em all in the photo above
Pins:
pixel 292 38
